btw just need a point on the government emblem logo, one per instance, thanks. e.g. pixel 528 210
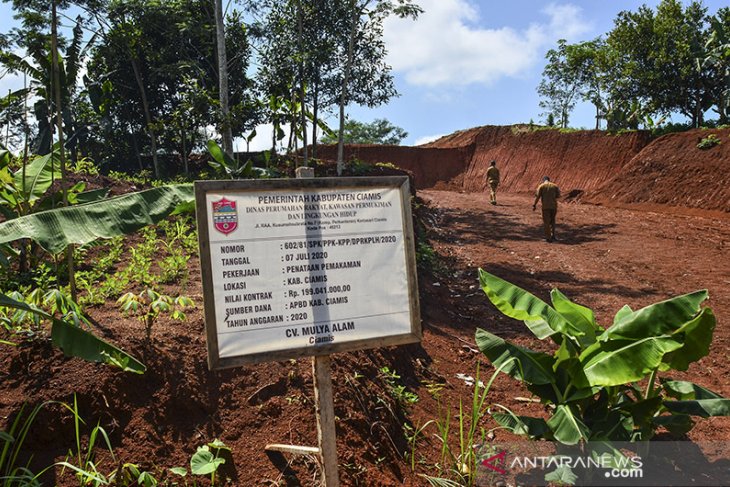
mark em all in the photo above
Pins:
pixel 225 216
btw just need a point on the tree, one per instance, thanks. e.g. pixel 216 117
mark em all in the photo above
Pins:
pixel 685 85
pixel 379 131
pixel 299 62
pixel 560 86
pixel 324 53
pixel 12 118
pixel 172 86
pixel 718 58
pixel 35 39
pixel 661 56
pixel 220 37
pixel 365 77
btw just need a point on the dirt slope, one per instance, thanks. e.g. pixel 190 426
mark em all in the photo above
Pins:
pixel 603 168
pixel 673 171
pixel 579 160
pixel 431 166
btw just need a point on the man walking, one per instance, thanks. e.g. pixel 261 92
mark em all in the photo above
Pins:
pixel 493 181
pixel 548 192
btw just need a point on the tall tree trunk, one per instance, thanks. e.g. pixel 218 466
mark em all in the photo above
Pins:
pixel 315 117
pixel 7 129
pixel 184 152
pixel 223 79
pixel 302 101
pixel 23 258
pixel 700 114
pixel 135 145
pixel 61 151
pixel 147 115
pixel 345 82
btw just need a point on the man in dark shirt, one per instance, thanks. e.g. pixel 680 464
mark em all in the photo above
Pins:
pixel 548 193
pixel 493 181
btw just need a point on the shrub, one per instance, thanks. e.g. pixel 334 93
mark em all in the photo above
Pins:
pixel 708 142
pixel 591 381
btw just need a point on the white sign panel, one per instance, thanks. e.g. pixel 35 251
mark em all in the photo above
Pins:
pixel 306 267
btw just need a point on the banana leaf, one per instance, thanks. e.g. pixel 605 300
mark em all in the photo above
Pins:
pixel 684 390
pixel 77 342
pixel 676 424
pixel 55 229
pixel 535 428
pixel 700 407
pixel 657 319
pixel 617 362
pixel 526 365
pixel 580 316
pixel 563 475
pixel 512 301
pixel 39 175
pixel 567 428
pixel 696 337
pixel 622 313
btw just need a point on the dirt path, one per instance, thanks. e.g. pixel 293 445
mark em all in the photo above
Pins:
pixel 603 258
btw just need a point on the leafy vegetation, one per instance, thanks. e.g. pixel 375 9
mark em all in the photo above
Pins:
pixel 603 383
pixel 149 304
pixel 205 461
pixel 11 445
pixel 82 460
pixel 708 142
pixel 55 229
pixel 77 342
pixel 379 131
pixel 654 62
pixel 402 396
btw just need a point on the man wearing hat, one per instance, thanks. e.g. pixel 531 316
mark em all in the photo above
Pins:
pixel 548 192
pixel 493 181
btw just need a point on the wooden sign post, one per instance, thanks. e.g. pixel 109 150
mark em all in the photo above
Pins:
pixel 325 409
pixel 307 267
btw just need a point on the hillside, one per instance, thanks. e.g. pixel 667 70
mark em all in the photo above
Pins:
pixel 603 168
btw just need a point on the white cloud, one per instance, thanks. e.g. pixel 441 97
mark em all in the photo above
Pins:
pixel 427 138
pixel 448 44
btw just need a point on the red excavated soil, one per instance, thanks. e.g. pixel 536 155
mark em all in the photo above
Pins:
pixel 604 168
pixel 673 171
pixel 605 257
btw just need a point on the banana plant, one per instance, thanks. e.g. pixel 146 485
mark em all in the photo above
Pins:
pixel 74 341
pixel 591 381
pixel 26 190
pixel 227 167
pixel 80 224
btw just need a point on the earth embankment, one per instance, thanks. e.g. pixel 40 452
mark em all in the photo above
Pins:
pixel 578 161
pixel 438 167
pixel 613 169
pixel 673 171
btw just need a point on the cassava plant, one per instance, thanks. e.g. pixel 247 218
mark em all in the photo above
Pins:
pixel 603 384
pixel 149 304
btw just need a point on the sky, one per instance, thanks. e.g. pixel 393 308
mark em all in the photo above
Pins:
pixel 467 63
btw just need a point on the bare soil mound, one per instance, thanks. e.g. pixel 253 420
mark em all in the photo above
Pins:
pixel 673 171
pixel 603 168
pixel 431 167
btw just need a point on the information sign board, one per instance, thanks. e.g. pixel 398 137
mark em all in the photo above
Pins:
pixel 298 267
